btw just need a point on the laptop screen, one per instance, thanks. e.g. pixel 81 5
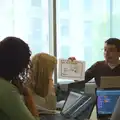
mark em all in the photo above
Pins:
pixel 71 99
pixel 106 101
pixel 78 106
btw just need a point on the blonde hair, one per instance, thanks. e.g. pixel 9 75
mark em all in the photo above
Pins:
pixel 43 65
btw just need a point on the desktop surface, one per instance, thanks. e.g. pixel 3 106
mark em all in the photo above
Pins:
pixel 54 117
pixel 94 115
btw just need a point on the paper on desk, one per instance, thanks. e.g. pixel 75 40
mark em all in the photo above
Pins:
pixel 60 104
pixel 110 82
pixel 73 70
pixel 43 110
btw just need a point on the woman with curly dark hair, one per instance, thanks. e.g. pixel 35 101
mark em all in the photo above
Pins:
pixel 14 66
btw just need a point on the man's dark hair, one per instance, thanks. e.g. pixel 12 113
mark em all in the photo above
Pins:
pixel 114 41
pixel 14 59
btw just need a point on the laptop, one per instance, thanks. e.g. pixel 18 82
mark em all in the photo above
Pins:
pixel 110 82
pixel 106 101
pixel 77 106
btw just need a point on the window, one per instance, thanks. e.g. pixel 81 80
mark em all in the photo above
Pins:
pixel 87 4
pixel 36 29
pixel 64 4
pixel 115 18
pixel 88 55
pixel 36 3
pixel 87 33
pixel 26 23
pixel 65 52
pixel 64 27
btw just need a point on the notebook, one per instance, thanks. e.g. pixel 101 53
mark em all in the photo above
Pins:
pixel 106 101
pixel 110 82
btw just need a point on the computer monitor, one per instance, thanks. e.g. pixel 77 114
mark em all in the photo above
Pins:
pixel 76 86
pixel 106 101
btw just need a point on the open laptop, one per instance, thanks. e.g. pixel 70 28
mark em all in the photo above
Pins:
pixel 110 82
pixel 105 103
pixel 77 106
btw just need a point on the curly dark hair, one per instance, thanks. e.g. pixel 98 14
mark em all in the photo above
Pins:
pixel 14 59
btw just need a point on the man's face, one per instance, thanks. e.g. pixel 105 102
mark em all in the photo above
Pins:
pixel 111 53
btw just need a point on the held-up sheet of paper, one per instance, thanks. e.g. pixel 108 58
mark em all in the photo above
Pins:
pixel 73 70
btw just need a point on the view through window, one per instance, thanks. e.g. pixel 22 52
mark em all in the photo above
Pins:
pixel 82 28
pixel 27 19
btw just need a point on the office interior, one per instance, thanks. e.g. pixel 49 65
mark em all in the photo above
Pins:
pixel 63 28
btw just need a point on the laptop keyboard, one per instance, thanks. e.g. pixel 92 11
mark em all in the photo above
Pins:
pixel 85 114
pixel 82 107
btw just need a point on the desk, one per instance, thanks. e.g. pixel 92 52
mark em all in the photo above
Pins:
pixel 93 115
pixel 53 117
pixel 59 117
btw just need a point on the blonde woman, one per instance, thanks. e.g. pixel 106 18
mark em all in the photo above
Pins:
pixel 41 82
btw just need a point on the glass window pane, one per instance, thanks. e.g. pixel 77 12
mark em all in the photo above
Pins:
pixel 64 27
pixel 87 32
pixel 65 51
pixel 115 18
pixel 88 55
pixel 27 19
pixel 89 27
pixel 64 4
pixel 36 28
pixel 87 5
pixel 36 3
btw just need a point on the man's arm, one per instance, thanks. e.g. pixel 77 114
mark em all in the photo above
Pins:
pixel 91 72
pixel 13 106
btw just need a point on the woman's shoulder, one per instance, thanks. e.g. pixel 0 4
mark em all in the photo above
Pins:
pixel 37 97
pixel 43 99
pixel 6 86
pixel 48 102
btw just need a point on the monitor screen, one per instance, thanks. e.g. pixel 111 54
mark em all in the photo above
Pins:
pixel 106 101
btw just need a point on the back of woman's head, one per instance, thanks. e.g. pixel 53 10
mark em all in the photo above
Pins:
pixel 14 58
pixel 43 65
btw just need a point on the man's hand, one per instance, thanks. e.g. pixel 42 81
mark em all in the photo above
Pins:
pixel 72 59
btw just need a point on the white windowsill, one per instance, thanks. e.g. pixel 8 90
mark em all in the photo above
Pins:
pixel 71 81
